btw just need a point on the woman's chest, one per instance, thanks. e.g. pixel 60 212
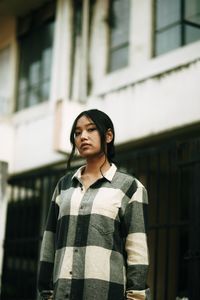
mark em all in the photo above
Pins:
pixel 102 201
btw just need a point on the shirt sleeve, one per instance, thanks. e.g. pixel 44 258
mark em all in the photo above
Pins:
pixel 136 247
pixel 47 253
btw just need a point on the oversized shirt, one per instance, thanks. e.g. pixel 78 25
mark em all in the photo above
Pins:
pixel 95 246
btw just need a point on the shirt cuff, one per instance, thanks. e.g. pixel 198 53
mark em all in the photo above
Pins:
pixel 46 294
pixel 138 295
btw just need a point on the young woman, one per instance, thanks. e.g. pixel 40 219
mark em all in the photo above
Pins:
pixel 95 246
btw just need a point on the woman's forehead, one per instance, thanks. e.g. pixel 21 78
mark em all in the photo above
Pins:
pixel 84 121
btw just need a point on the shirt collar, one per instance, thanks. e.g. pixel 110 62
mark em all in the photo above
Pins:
pixel 109 174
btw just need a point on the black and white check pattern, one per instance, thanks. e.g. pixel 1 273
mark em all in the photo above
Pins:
pixel 95 246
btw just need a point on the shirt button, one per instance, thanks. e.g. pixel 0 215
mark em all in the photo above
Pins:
pixel 76 250
pixel 70 272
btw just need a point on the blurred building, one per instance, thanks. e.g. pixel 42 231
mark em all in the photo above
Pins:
pixel 139 61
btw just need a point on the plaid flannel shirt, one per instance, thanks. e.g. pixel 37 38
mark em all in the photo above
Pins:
pixel 95 246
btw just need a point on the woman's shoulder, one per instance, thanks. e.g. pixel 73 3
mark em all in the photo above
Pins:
pixel 123 174
pixel 66 180
pixel 132 186
pixel 128 178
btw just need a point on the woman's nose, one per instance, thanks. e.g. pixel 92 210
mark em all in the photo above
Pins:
pixel 84 134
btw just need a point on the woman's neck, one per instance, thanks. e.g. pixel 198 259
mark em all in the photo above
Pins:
pixel 94 170
pixel 97 165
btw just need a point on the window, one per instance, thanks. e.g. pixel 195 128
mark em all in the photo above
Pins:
pixel 35 47
pixel 119 20
pixel 177 24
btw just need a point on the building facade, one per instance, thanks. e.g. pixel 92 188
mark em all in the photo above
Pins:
pixel 139 61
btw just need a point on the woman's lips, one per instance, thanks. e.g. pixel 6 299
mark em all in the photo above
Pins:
pixel 85 145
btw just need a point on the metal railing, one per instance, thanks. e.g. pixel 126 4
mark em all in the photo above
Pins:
pixel 170 171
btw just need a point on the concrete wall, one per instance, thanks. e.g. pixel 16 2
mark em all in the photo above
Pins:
pixel 160 95
pixel 8 42
pixel 155 105
pixel 150 96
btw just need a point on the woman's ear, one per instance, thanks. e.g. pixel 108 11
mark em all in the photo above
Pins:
pixel 109 136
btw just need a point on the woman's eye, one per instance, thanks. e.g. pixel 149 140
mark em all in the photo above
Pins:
pixel 91 129
pixel 77 133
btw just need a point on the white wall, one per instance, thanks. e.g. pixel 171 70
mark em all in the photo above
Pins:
pixel 34 138
pixel 154 101
pixel 155 105
pixel 27 137
pixel 150 96
pixel 6 142
pixel 151 107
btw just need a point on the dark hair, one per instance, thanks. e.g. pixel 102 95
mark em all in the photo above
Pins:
pixel 103 123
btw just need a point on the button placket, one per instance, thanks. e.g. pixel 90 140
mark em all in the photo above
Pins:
pixel 83 202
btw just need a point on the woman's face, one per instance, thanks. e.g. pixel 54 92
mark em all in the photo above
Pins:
pixel 87 138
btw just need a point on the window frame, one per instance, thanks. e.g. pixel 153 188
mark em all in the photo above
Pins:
pixel 123 45
pixel 182 22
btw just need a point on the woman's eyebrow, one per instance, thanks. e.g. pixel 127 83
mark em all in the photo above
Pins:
pixel 88 124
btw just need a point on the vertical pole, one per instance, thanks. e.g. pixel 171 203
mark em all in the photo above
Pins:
pixel 3 210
